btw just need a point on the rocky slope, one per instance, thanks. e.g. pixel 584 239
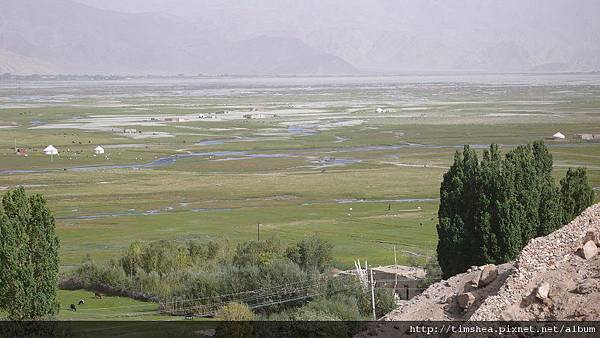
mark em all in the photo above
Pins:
pixel 556 277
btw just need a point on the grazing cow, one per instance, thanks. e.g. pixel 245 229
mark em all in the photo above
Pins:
pixel 81 302
pixel 73 308
pixel 98 295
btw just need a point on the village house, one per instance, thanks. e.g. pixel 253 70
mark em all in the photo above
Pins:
pixel 403 280
pixel 588 137
pixel 175 119
pixel 258 116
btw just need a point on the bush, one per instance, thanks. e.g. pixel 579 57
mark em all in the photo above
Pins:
pixel 341 307
pixel 257 253
pixel 433 273
pixel 199 251
pixel 312 253
pixel 235 312
pixel 384 301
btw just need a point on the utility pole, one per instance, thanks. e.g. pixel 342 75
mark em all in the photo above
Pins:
pixel 373 295
pixel 258 231
pixel 395 271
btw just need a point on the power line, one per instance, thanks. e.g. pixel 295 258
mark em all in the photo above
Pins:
pixel 259 300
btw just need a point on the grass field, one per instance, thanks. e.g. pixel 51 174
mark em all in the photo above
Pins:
pixel 327 163
pixel 108 308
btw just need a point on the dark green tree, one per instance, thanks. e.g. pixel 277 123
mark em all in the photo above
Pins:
pixel 489 194
pixel 490 210
pixel 28 257
pixel 470 210
pixel 520 161
pixel 549 210
pixel 576 194
pixel 450 228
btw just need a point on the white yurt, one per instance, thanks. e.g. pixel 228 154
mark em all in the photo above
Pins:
pixel 50 150
pixel 558 136
pixel 99 150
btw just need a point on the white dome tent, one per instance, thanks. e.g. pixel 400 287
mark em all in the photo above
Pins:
pixel 558 136
pixel 99 150
pixel 50 150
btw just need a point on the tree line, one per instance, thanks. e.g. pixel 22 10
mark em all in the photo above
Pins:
pixel 203 272
pixel 490 209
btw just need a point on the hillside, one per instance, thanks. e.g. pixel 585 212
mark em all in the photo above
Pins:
pixel 556 277
pixel 14 63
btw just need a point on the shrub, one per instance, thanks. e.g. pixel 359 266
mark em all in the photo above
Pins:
pixel 384 301
pixel 257 253
pixel 312 253
pixel 202 251
pixel 341 307
pixel 433 273
pixel 165 257
pixel 235 312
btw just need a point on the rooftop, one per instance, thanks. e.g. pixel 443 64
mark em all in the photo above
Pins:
pixel 401 270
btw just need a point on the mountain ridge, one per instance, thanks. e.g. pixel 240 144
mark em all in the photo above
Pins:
pixel 62 36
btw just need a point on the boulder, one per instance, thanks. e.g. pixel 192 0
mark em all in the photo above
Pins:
pixel 591 236
pixel 465 300
pixel 542 291
pixel 557 290
pixel 589 250
pixel 474 282
pixel 586 286
pixel 488 275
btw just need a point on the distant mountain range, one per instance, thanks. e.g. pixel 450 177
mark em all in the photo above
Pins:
pixel 61 36
pixel 297 37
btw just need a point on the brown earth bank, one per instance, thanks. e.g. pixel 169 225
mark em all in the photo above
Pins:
pixel 556 277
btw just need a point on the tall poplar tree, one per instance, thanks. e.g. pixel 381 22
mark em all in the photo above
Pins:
pixel 576 193
pixel 450 227
pixel 28 257
pixel 490 210
pixel 549 209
